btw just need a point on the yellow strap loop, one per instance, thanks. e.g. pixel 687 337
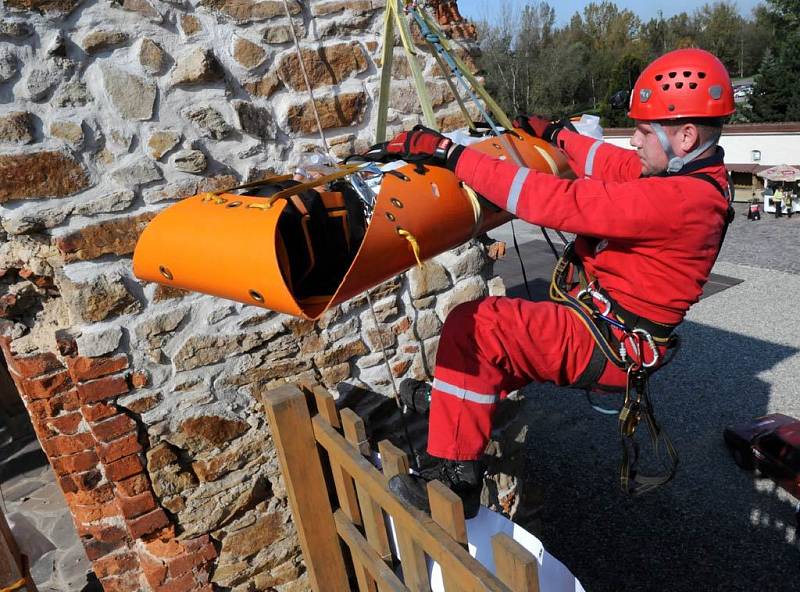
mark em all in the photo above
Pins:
pixel 18 585
pixel 414 244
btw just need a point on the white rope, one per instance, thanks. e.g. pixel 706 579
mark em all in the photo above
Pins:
pixel 305 76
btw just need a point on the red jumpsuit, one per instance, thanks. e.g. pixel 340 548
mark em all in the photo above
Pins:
pixel 650 242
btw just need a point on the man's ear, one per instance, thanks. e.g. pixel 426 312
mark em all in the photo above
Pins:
pixel 688 137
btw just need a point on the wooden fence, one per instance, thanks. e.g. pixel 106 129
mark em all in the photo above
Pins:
pixel 317 445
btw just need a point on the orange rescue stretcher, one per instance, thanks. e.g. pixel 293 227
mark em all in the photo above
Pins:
pixel 302 248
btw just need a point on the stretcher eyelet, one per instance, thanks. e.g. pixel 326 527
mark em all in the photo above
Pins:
pixel 256 296
pixel 165 272
pixel 397 203
pixel 435 190
pixel 390 217
pixel 234 204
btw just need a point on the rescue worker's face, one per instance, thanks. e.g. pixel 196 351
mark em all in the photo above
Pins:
pixel 682 137
pixel 651 154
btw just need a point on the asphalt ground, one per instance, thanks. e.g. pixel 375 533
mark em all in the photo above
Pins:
pixel 715 526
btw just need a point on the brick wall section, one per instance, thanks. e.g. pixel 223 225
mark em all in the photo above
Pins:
pixel 95 452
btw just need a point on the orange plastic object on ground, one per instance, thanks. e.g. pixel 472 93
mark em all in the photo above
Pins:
pixel 231 246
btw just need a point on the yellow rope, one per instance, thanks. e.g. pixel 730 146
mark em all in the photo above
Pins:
pixel 414 245
pixel 18 585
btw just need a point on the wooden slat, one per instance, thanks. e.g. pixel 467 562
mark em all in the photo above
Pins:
pixel 449 554
pixel 366 555
pixel 413 560
pixel 371 513
pixel 11 570
pixel 447 510
pixel 345 488
pixel 302 472
pixel 514 565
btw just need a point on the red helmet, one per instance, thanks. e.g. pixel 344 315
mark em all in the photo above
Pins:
pixel 682 83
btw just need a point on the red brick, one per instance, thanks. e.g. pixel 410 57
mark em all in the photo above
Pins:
pixel 64 445
pixel 134 486
pixel 75 463
pixel 126 583
pixel 33 366
pixel 64 424
pixel 102 388
pixel 135 506
pixel 100 495
pixel 178 566
pixel 39 410
pixel 154 570
pixel 113 565
pixel 105 533
pixel 138 527
pixel 117 449
pixel 45 387
pixel 99 411
pixel 139 379
pixel 96 549
pixel 124 468
pixel 67 484
pixel 88 480
pixel 185 583
pixel 113 428
pixel 82 368
pixel 87 514
pixel 67 401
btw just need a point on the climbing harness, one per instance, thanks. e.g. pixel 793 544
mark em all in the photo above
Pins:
pixel 637 350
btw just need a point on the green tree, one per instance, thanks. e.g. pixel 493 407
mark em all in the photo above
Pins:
pixel 775 96
pixel 721 32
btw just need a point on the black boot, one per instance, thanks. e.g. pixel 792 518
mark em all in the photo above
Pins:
pixel 416 395
pixel 463 477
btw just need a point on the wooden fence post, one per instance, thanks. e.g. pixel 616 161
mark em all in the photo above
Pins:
pixel 290 423
pixel 412 557
pixel 514 565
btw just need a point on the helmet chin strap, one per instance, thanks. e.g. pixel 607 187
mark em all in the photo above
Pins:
pixel 676 163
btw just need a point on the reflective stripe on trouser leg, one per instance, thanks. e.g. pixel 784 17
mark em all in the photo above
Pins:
pixel 490 348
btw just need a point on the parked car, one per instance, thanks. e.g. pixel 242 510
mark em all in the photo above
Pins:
pixel 742 91
pixel 770 444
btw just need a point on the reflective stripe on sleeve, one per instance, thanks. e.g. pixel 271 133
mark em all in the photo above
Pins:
pixel 516 189
pixel 589 168
pixel 463 394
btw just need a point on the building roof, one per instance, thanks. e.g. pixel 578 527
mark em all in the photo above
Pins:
pixel 738 129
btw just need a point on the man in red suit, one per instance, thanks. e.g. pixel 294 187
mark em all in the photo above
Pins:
pixel 649 225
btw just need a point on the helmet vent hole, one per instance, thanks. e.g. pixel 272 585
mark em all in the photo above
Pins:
pixel 693 85
pixel 659 77
pixel 665 87
pixel 687 74
pixel 679 85
pixel 701 75
pixel 673 74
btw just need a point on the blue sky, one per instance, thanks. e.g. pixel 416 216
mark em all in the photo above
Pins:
pixel 478 9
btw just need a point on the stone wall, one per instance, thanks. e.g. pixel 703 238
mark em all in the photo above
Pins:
pixel 141 396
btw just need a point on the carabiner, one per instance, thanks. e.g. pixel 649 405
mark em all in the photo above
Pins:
pixel 653 347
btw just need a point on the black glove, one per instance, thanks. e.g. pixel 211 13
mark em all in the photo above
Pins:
pixel 424 145
pixel 541 127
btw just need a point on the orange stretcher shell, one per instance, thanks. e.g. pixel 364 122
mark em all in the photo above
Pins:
pixel 228 245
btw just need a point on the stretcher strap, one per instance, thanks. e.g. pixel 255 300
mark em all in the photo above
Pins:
pixel 498 112
pixel 18 585
pixel 393 17
pixel 414 245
